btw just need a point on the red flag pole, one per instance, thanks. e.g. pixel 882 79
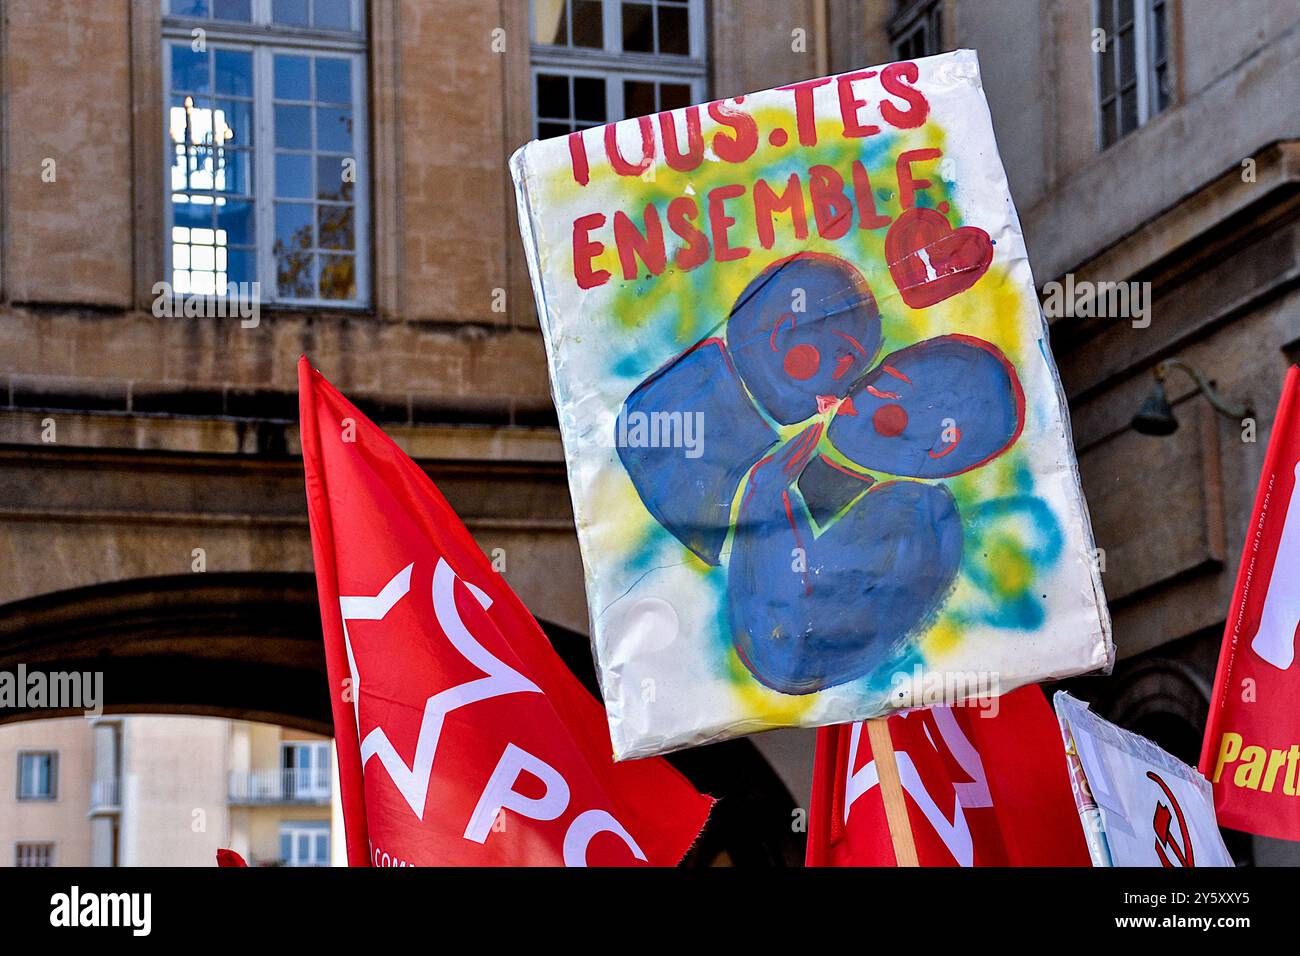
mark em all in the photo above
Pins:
pixel 891 792
pixel 346 738
pixel 388 514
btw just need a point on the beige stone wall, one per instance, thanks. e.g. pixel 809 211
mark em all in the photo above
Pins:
pixel 68 240
pixel 61 821
pixel 1172 513
pixel 454 189
pixel 173 791
pixel 754 44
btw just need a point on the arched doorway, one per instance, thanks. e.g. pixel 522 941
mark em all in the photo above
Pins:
pixel 247 646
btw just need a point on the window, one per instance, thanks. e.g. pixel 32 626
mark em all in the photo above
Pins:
pixel 306 770
pixel 33 854
pixel 916 28
pixel 38 775
pixel 599 61
pixel 1133 78
pixel 305 843
pixel 266 137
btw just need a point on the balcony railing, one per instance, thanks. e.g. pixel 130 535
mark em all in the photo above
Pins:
pixel 104 797
pixel 281 786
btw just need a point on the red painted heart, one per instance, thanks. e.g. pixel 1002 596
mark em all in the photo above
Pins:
pixel 930 261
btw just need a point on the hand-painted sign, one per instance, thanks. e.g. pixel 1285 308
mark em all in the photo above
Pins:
pixel 814 434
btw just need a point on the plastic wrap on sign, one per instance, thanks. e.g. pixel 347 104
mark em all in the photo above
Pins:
pixel 1138 805
pixel 819 455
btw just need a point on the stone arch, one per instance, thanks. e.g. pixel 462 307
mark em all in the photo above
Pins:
pixel 248 646
pixel 240 645
pixel 1164 699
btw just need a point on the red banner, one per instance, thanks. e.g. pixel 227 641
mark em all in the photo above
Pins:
pixel 1252 738
pixel 478 747
pixel 981 789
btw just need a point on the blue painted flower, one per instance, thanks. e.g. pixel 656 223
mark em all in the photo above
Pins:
pixel 830 569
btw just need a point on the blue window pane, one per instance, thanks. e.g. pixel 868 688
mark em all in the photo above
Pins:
pixel 192 215
pixel 190 8
pixel 234 122
pixel 334 130
pixel 189 70
pixel 232 10
pixel 34 775
pixel 290 11
pixel 330 181
pixel 192 126
pixel 338 278
pixel 293 127
pixel 241 265
pixel 292 78
pixel 180 169
pixel 233 172
pixel 334 226
pixel 293 226
pixel 292 176
pixel 236 218
pixel 333 14
pixel 293 275
pixel 333 81
pixel 234 72
pixel 285 844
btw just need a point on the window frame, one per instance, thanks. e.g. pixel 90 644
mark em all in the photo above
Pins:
pixel 611 64
pixel 296 828
pixel 611 55
pixel 49 846
pixel 319 750
pixel 53 794
pixel 264 40
pixel 615 98
pixel 1144 68
pixel 909 17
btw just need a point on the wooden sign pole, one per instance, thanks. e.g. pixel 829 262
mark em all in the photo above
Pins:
pixel 891 791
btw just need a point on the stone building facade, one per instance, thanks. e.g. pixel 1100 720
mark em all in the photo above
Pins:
pixel 154 790
pixel 151 508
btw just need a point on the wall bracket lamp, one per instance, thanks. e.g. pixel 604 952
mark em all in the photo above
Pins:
pixel 1156 416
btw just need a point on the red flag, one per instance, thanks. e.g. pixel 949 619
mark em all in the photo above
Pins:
pixel 479 748
pixel 1251 751
pixel 981 789
pixel 229 858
